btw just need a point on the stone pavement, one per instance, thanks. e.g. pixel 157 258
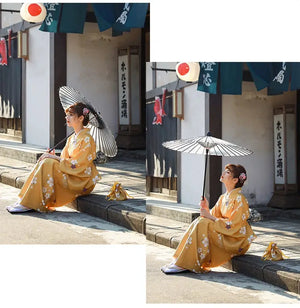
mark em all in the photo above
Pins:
pixel 165 222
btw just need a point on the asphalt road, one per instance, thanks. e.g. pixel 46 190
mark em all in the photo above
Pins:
pixel 125 269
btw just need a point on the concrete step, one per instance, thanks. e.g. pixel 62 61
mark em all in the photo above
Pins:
pixel 268 213
pixel 9 137
pixel 187 213
pixel 128 213
pixel 30 153
pixel 19 151
pixel 172 210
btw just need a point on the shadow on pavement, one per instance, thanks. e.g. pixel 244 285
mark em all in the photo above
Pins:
pixel 232 279
pixel 78 219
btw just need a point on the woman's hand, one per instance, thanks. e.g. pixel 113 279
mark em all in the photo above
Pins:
pixel 47 155
pixel 204 204
pixel 204 210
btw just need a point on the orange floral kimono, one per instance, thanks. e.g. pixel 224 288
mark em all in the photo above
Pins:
pixel 52 183
pixel 209 243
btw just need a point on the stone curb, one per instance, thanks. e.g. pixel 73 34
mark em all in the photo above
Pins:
pixel 267 271
pixel 96 205
pixel 113 211
pixel 135 219
pixel 249 265
pixel 28 156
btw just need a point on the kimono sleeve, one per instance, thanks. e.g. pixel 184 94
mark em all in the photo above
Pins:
pixel 82 156
pixel 215 211
pixel 235 220
pixel 64 153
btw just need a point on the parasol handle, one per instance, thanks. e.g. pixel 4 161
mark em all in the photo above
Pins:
pixel 61 141
pixel 206 157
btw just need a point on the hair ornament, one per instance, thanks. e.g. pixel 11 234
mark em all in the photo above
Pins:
pixel 85 111
pixel 242 177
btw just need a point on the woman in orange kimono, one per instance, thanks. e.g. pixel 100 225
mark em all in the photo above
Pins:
pixel 56 181
pixel 217 235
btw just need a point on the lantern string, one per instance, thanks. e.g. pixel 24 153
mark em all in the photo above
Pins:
pixel 153 101
pixel 13 37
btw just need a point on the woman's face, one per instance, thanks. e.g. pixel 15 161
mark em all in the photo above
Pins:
pixel 227 177
pixel 72 119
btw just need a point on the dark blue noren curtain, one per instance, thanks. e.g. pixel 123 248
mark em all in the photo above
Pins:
pixel 231 76
pixel 65 17
pixel 261 73
pixel 11 85
pixel 121 17
pixel 50 24
pixel 295 76
pixel 275 76
pixel 280 78
pixel 208 77
pixel 73 17
pixel 106 14
pixel 70 17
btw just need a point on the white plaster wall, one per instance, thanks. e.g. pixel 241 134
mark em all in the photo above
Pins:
pixel 148 76
pixel 37 82
pixel 8 19
pixel 195 124
pixel 162 77
pixel 248 121
pixel 92 67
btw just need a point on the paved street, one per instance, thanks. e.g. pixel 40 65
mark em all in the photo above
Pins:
pixel 70 227
pixel 65 226
pixel 218 286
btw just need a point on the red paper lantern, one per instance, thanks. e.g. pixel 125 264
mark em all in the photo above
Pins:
pixel 188 71
pixel 33 12
pixel 183 68
pixel 34 9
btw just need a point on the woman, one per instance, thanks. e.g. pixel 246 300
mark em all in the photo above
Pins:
pixel 216 236
pixel 56 181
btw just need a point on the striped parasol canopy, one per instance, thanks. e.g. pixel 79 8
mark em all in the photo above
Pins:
pixel 200 145
pixel 104 139
pixel 206 145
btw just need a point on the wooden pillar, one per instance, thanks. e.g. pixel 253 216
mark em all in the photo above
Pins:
pixel 298 139
pixel 58 79
pixel 215 162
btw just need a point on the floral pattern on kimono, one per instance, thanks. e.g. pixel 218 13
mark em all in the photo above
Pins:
pixel 52 183
pixel 209 243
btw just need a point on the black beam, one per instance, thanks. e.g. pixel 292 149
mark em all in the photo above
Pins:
pixel 163 69
pixel 9 11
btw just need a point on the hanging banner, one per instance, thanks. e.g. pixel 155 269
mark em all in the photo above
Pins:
pixel 295 76
pixel 123 89
pixel 231 76
pixel 279 150
pixel 208 77
pixel 261 73
pixel 51 21
pixel 3 51
pixel 280 82
pixel 133 15
pixel 159 108
pixel 121 17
